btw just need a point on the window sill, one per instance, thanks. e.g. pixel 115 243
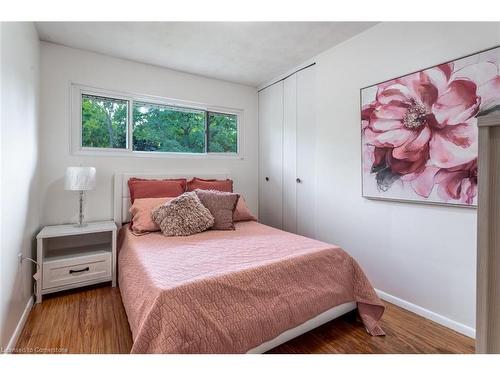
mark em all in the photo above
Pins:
pixel 149 154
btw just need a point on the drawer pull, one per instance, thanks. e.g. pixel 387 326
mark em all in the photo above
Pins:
pixel 78 271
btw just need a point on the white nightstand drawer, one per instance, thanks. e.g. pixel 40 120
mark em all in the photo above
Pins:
pixel 60 272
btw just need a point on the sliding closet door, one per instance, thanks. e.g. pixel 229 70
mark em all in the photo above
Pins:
pixel 306 151
pixel 271 155
pixel 290 154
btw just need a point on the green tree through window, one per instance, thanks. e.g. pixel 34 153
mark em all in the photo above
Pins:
pixel 104 122
pixel 168 129
pixel 222 132
pixel 156 127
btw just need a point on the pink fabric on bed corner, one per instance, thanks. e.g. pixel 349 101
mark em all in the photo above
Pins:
pixel 228 292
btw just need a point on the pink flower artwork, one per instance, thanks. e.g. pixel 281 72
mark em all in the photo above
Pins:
pixel 419 132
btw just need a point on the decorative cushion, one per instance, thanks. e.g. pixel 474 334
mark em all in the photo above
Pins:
pixel 242 212
pixel 220 185
pixel 141 188
pixel 183 216
pixel 141 210
pixel 221 206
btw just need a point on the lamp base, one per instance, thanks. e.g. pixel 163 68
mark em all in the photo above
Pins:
pixel 80 223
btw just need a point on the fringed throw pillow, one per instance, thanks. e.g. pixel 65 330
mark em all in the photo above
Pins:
pixel 183 216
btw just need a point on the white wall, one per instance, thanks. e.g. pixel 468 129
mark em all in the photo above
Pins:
pixel 60 65
pixel 425 255
pixel 19 169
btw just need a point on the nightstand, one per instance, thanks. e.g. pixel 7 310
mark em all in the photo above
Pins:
pixel 72 257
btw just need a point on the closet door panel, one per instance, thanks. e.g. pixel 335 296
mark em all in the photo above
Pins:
pixel 290 154
pixel 306 151
pixel 271 155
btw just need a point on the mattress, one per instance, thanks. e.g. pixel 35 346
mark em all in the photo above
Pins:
pixel 231 291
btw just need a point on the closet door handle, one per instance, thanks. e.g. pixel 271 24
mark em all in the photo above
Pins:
pixel 267 178
pixel 298 180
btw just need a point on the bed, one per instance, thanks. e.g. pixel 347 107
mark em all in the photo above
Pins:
pixel 242 291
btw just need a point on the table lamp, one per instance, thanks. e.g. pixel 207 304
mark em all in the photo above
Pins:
pixel 80 179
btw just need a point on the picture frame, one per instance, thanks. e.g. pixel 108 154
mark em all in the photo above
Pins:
pixel 419 131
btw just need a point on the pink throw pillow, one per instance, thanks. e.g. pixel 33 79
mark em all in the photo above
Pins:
pixel 141 210
pixel 141 188
pixel 221 205
pixel 242 212
pixel 219 185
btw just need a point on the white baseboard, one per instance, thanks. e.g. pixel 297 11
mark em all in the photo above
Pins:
pixel 444 321
pixel 20 325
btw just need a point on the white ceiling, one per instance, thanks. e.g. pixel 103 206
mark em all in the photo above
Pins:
pixel 250 53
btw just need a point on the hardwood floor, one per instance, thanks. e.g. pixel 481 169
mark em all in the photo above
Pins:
pixel 90 320
pixel 93 320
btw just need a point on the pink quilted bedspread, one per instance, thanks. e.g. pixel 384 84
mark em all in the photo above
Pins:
pixel 230 291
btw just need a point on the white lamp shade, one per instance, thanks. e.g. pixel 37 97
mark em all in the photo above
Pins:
pixel 79 178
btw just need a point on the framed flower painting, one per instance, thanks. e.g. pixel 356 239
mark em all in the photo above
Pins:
pixel 419 132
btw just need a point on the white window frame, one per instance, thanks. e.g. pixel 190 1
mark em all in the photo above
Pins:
pixel 76 92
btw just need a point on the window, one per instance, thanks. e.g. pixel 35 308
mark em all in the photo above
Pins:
pixel 168 129
pixel 106 122
pixel 222 132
